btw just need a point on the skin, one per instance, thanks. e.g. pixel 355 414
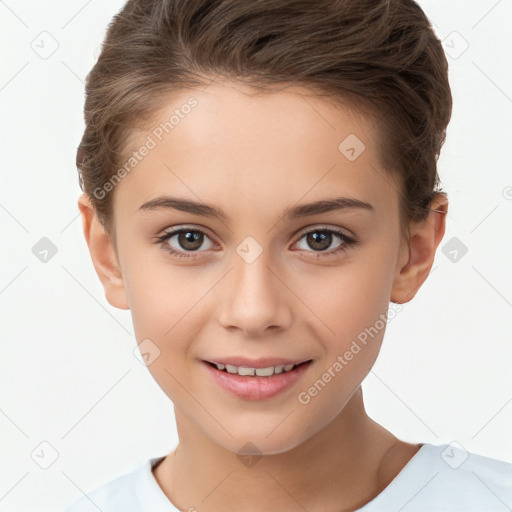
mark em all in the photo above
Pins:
pixel 255 155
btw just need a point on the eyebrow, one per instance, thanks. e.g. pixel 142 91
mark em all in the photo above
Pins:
pixel 303 210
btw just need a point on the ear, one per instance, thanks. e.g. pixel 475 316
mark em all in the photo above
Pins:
pixel 103 255
pixel 419 254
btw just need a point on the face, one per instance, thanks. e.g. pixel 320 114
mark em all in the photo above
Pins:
pixel 258 282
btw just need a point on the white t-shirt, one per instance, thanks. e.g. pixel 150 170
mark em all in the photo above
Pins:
pixel 438 478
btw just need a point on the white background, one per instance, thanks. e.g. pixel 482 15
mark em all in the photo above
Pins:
pixel 67 373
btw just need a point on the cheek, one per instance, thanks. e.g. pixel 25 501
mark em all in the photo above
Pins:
pixel 167 312
pixel 348 298
pixel 159 292
pixel 351 307
pixel 168 308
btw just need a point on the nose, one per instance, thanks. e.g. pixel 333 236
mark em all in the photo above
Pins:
pixel 255 298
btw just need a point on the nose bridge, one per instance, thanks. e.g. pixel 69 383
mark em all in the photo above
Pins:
pixel 254 297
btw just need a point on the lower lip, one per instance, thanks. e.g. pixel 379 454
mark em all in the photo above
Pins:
pixel 256 388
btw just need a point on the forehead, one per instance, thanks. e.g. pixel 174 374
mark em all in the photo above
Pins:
pixel 230 143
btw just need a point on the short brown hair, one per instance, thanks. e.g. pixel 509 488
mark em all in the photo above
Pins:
pixel 382 56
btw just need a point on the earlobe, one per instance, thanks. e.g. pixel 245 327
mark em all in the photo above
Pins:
pixel 103 255
pixel 425 237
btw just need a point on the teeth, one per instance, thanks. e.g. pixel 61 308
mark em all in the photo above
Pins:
pixel 260 372
pixel 265 372
pixel 242 370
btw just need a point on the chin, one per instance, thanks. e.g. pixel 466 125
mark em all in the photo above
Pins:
pixel 258 442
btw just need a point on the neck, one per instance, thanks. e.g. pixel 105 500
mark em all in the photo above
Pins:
pixel 344 466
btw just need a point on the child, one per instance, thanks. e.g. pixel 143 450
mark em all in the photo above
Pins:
pixel 226 143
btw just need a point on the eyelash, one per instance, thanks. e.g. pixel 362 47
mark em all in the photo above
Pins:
pixel 347 242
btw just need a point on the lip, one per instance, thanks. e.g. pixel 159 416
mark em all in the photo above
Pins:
pixel 263 362
pixel 256 388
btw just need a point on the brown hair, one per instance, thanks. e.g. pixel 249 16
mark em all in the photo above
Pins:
pixel 380 56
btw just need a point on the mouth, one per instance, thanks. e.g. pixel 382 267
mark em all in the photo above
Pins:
pixel 257 371
pixel 256 383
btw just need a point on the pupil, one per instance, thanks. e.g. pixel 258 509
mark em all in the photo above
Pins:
pixel 324 239
pixel 188 240
pixel 317 240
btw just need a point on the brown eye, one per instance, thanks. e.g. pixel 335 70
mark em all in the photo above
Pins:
pixel 190 240
pixel 319 240
pixel 187 240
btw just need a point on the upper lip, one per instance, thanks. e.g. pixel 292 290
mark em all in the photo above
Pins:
pixel 263 362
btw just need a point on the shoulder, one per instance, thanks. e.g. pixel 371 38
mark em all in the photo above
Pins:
pixel 448 478
pixel 121 493
pixel 460 468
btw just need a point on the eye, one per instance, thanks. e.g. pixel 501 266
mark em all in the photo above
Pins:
pixel 188 240
pixel 321 239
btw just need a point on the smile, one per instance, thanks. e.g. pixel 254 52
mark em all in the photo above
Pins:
pixel 251 383
pixel 259 372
